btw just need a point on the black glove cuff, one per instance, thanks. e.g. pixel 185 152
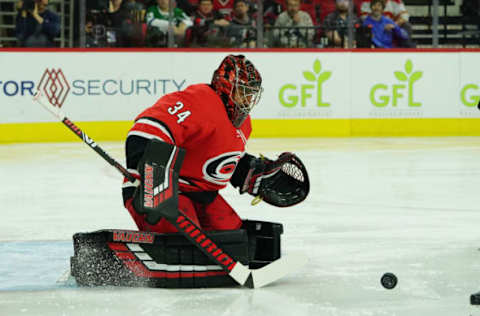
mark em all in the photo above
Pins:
pixel 241 171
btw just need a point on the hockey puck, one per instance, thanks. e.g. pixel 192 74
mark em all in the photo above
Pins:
pixel 475 299
pixel 389 280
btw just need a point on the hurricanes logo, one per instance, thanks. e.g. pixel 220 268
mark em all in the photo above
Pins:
pixel 54 86
pixel 220 169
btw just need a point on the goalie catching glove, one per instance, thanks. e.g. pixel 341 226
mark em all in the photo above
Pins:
pixel 282 182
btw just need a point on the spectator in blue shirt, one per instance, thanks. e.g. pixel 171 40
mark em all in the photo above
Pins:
pixel 383 28
pixel 37 26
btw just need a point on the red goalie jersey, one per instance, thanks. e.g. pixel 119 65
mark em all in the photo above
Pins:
pixel 195 120
pixel 212 124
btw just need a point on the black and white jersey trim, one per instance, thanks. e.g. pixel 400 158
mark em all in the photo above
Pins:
pixel 160 126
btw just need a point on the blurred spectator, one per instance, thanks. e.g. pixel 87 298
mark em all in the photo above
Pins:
pixel 114 6
pixel 395 10
pixel 136 11
pixel 157 23
pixel 313 8
pixel 325 7
pixel 383 28
pixel 96 22
pixel 207 26
pixel 336 24
pixel 298 22
pixel 188 6
pixel 90 39
pixel 224 7
pixel 242 31
pixel 271 10
pixel 124 22
pixel 116 18
pixel 36 26
pixel 118 23
pixel 133 5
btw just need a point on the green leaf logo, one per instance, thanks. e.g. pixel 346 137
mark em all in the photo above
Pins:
pixel 317 67
pixel 317 70
pixel 324 76
pixel 416 75
pixel 406 84
pixel 290 95
pixel 400 76
pixel 408 75
pixel 408 66
pixel 310 76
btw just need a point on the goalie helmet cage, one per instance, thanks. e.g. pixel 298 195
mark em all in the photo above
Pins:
pixel 145 259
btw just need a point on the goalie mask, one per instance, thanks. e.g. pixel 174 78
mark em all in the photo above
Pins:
pixel 239 85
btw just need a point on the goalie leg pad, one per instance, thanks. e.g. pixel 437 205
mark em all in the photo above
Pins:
pixel 145 259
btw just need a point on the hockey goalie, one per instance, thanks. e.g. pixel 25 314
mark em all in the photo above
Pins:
pixel 182 151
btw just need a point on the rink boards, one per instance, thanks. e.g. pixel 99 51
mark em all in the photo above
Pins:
pixel 307 93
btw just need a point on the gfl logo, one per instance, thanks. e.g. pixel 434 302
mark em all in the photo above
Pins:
pixel 289 94
pixel 381 94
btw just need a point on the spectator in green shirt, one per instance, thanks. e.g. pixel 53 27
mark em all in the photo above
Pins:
pixel 157 23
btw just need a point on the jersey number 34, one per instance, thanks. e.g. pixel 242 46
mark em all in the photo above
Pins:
pixel 174 110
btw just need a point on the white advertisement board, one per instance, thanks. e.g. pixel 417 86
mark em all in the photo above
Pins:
pixel 403 85
pixel 116 86
pixel 94 86
pixel 468 96
pixel 304 85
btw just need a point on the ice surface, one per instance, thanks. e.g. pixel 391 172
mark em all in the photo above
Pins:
pixel 404 205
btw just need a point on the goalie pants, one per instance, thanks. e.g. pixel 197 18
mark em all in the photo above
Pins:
pixel 218 215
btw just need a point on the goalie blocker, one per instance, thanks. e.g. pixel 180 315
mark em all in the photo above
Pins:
pixel 137 258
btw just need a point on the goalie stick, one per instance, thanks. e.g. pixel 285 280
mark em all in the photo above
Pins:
pixel 239 272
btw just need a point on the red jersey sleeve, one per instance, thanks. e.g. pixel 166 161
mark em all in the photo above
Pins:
pixel 161 121
pixel 166 121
